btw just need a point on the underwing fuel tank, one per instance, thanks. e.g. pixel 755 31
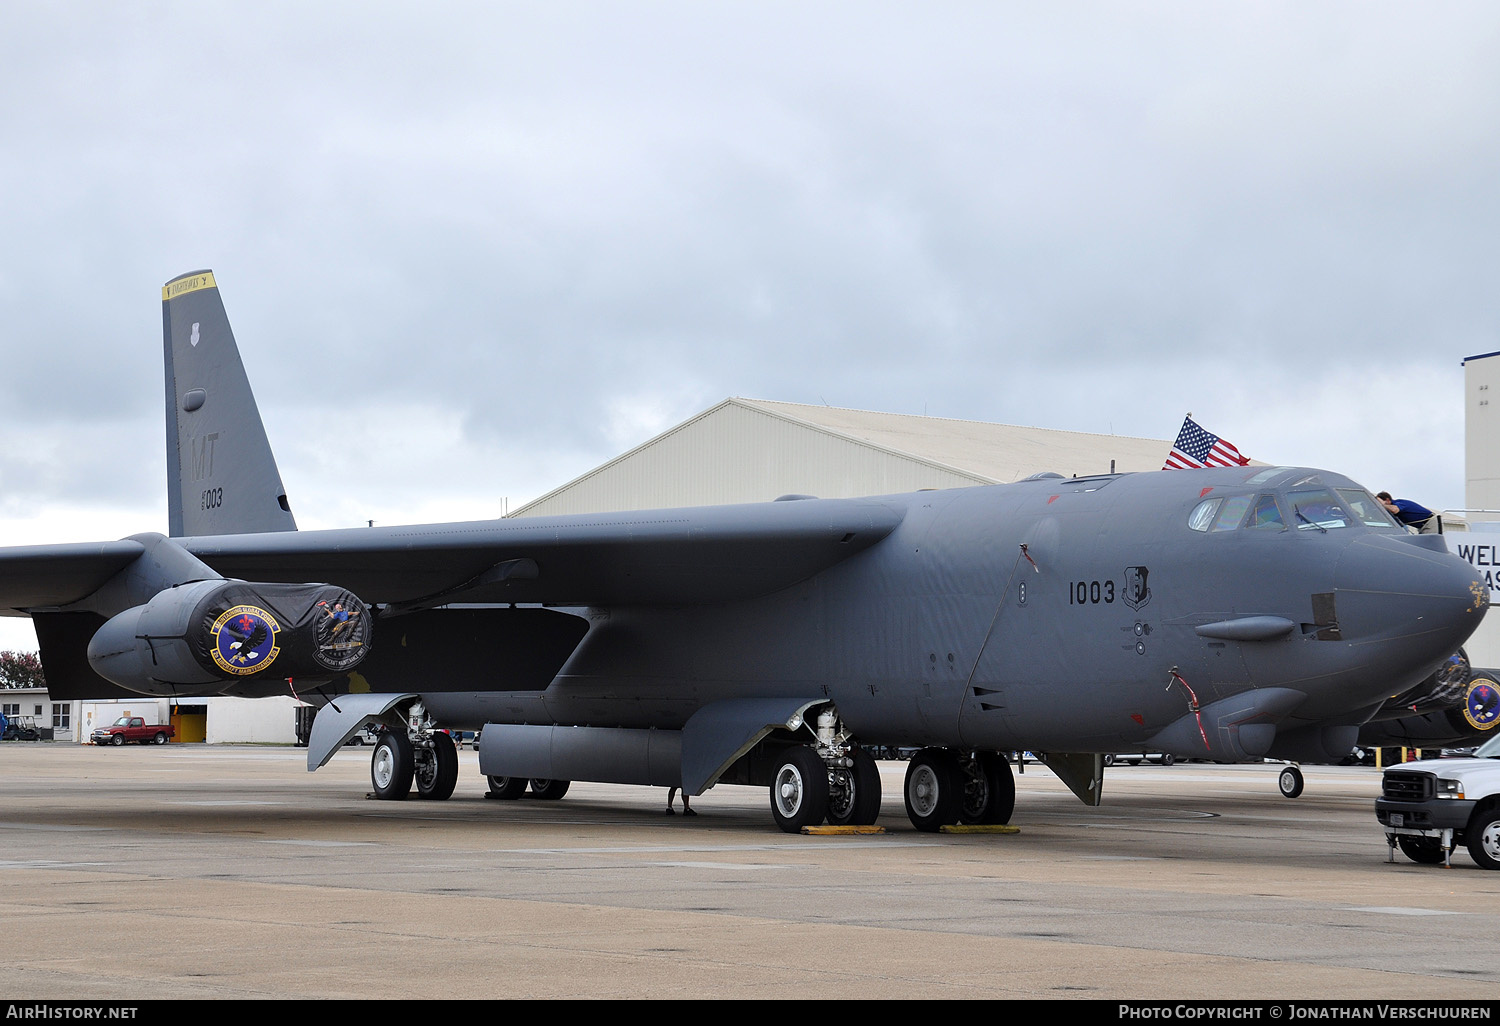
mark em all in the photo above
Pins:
pixel 197 637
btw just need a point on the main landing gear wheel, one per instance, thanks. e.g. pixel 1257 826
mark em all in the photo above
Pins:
pixel 1483 839
pixel 392 765
pixel 799 790
pixel 549 790
pixel 1425 850
pixel 436 770
pixel 508 788
pixel 989 789
pixel 854 795
pixel 934 789
pixel 1290 782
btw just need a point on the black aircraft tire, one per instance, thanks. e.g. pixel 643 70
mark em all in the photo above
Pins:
pixel 437 778
pixel 1426 850
pixel 799 790
pixel 508 788
pixel 934 789
pixel 989 790
pixel 864 808
pixel 1290 782
pixel 392 766
pixel 1483 839
pixel 549 790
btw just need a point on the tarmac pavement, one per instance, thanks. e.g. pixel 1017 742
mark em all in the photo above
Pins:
pixel 195 871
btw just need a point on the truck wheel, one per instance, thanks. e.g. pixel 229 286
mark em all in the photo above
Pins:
pixel 934 789
pixel 438 772
pixel 549 790
pixel 1425 850
pixel 1483 834
pixel 989 790
pixel 392 765
pixel 160 738
pixel 799 790
pixel 507 787
pixel 117 740
pixel 1290 782
pixel 856 801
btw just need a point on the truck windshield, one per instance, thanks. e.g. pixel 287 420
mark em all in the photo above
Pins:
pixel 123 721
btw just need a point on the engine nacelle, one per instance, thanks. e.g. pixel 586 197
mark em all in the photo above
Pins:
pixel 196 637
pixel 1446 689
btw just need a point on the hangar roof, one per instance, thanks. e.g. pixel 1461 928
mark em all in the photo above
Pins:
pixel 748 450
pixel 996 453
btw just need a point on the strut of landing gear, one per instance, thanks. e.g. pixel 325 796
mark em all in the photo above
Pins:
pixel 414 752
pixel 832 778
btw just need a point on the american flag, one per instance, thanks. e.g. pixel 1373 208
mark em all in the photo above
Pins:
pixel 1196 448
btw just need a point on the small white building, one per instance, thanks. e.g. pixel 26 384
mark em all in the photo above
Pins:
pixel 54 719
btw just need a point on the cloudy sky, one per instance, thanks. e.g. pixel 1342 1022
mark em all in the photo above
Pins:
pixel 488 246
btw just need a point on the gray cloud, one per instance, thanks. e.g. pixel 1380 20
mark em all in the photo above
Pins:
pixel 502 242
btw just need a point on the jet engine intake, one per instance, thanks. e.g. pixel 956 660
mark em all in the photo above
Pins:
pixel 196 637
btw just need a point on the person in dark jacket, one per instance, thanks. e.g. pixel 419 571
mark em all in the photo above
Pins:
pixel 1414 515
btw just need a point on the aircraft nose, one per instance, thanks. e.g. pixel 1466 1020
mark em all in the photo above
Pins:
pixel 1405 604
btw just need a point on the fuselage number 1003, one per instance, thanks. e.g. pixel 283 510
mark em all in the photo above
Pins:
pixel 1088 593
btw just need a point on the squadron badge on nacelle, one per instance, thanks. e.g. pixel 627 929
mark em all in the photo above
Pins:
pixel 244 640
pixel 1482 704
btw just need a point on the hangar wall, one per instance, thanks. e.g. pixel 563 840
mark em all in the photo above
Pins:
pixel 1481 422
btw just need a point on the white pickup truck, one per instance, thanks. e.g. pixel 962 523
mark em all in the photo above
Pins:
pixel 1430 807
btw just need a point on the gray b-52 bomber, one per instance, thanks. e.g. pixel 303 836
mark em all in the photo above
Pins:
pixel 1226 614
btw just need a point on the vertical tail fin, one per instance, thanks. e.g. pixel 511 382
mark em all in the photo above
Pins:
pixel 221 474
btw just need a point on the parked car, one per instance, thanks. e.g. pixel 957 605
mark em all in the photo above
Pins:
pixel 21 728
pixel 133 728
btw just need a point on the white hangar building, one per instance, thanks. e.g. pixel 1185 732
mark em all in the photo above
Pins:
pixel 754 450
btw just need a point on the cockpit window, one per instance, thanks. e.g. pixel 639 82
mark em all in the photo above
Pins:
pixel 1231 513
pixel 1202 516
pixel 1266 514
pixel 1316 509
pixel 1266 475
pixel 1365 509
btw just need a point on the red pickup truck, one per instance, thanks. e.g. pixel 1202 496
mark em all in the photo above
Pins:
pixel 133 728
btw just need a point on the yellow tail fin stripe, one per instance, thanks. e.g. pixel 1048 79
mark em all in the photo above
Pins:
pixel 188 283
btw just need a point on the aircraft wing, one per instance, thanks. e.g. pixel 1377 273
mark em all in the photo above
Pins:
pixel 704 554
pixel 54 575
